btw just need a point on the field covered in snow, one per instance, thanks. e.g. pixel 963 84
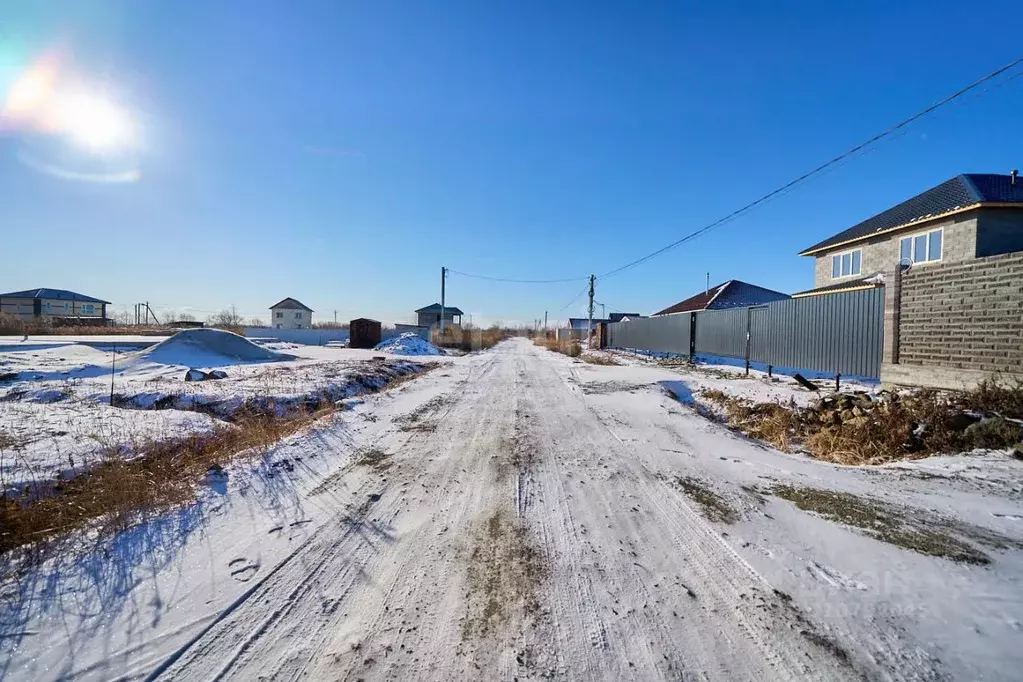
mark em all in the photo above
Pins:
pixel 64 404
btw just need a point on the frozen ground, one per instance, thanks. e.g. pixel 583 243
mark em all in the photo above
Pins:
pixel 55 398
pixel 518 514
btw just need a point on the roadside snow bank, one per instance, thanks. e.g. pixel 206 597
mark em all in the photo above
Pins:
pixel 409 344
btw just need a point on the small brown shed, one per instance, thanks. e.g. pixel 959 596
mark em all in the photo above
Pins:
pixel 365 333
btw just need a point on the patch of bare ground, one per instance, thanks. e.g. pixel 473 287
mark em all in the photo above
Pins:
pixel 858 428
pixel 912 529
pixel 504 573
pixel 713 505
pixel 419 418
pixel 374 459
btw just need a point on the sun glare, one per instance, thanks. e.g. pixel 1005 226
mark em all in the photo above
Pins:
pixel 95 122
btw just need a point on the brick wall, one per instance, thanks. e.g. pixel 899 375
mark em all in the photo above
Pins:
pixel 966 315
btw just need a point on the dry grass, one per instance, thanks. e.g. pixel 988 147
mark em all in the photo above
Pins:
pixel 599 360
pixel 892 524
pixel 917 425
pixel 119 492
pixel 714 506
pixel 569 347
pixel 469 340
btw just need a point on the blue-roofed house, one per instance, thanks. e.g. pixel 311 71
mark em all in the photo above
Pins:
pixel 971 216
pixel 33 304
pixel 430 315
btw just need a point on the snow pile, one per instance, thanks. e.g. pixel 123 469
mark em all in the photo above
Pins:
pixel 208 348
pixel 409 343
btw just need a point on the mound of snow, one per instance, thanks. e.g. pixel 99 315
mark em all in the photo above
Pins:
pixel 209 348
pixel 409 343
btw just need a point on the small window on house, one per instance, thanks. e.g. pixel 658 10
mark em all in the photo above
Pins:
pixel 280 316
pixel 846 264
pixel 921 248
pixel 298 316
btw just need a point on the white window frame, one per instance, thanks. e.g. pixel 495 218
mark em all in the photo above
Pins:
pixel 927 233
pixel 849 253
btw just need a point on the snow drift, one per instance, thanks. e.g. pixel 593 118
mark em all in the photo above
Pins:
pixel 209 348
pixel 409 343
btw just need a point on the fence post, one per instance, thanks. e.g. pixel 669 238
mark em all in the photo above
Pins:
pixel 892 315
pixel 692 336
pixel 749 325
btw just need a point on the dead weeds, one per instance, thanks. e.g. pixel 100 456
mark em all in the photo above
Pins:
pixel 714 506
pixel 600 360
pixel 120 492
pixel 858 429
pixel 929 535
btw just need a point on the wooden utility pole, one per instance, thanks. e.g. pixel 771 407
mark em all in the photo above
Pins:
pixel 590 325
pixel 443 276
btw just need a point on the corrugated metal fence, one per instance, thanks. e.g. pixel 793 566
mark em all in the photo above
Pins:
pixel 835 334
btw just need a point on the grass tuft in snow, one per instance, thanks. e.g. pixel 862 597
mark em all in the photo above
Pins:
pixel 888 523
pixel 714 506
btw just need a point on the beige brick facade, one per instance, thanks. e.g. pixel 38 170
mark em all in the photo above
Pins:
pixel 966 315
pixel 881 254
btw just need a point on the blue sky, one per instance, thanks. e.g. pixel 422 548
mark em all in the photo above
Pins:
pixel 342 152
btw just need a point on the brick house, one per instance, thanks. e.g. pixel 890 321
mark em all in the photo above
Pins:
pixel 731 294
pixel 971 216
pixel 57 305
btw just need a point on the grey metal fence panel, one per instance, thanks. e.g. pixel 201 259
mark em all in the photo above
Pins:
pixel 837 333
pixel 722 332
pixel 667 334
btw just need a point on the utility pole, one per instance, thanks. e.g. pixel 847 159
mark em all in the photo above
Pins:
pixel 443 277
pixel 335 318
pixel 603 313
pixel 590 325
pixel 545 320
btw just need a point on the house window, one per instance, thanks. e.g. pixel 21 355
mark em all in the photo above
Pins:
pixel 280 316
pixel 298 316
pixel 846 264
pixel 920 248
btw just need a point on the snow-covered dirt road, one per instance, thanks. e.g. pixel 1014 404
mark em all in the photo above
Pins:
pixel 518 515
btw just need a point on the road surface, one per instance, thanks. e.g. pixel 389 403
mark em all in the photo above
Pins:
pixel 510 533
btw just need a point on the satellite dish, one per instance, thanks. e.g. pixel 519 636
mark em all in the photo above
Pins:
pixel 906 264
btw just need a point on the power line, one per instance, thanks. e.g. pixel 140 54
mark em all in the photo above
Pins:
pixel 518 281
pixel 805 176
pixel 575 298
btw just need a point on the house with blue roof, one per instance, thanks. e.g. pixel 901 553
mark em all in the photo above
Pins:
pixel 430 315
pixel 54 304
pixel 973 215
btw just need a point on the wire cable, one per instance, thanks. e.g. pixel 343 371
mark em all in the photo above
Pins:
pixel 519 281
pixel 575 298
pixel 805 176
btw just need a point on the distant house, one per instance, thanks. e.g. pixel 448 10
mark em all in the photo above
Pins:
pixel 430 315
pixel 971 216
pixel 584 322
pixel 731 294
pixel 618 317
pixel 54 304
pixel 291 314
